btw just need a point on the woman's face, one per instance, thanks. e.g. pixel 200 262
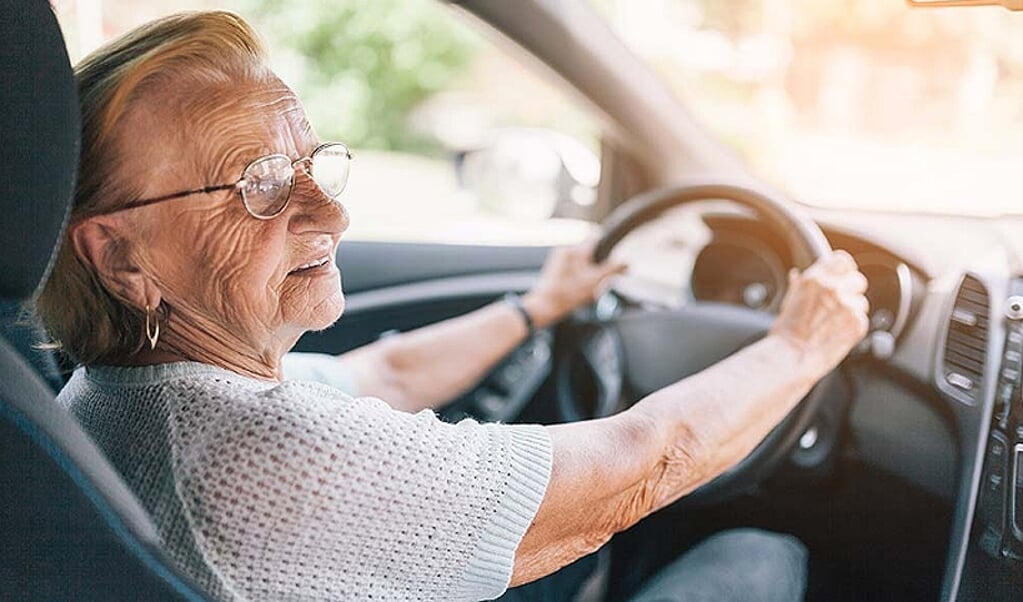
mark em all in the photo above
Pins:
pixel 234 284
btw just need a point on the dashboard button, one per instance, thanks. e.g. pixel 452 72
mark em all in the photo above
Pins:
pixel 991 542
pixel 1004 394
pixel 964 317
pixel 1014 307
pixel 1002 403
pixel 958 380
pixel 882 344
pixel 996 449
pixel 991 505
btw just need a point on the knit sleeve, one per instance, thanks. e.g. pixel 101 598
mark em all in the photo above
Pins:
pixel 301 492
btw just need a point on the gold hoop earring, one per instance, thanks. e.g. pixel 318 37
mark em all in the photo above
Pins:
pixel 152 327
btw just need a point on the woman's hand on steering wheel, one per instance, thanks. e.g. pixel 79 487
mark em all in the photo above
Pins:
pixel 824 313
pixel 569 279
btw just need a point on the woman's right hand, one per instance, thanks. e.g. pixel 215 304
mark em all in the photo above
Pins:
pixel 824 313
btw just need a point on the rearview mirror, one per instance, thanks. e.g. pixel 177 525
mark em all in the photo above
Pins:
pixel 1009 4
pixel 529 173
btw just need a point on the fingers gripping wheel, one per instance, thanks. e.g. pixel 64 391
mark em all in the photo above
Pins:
pixel 711 330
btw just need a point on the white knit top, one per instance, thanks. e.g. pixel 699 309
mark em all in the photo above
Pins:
pixel 296 491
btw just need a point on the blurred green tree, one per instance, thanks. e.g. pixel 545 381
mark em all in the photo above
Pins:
pixel 362 67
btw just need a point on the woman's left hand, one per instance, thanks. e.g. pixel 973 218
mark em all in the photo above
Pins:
pixel 569 280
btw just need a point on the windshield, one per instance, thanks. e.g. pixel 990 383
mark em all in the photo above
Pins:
pixel 865 104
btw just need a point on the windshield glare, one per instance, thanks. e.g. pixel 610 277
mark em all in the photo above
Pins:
pixel 865 104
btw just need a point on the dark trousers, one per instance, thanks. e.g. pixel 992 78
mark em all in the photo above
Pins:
pixel 742 564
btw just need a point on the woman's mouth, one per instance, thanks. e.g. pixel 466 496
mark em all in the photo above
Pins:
pixel 322 264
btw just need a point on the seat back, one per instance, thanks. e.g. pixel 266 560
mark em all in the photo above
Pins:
pixel 23 333
pixel 70 529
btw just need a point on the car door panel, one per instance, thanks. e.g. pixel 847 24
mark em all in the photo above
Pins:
pixel 403 286
pixel 373 265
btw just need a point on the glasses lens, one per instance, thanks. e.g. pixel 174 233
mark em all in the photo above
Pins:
pixel 331 164
pixel 268 185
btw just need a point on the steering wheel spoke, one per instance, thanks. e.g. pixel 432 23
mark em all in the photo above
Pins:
pixel 590 378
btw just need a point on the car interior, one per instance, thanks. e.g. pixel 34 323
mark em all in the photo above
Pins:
pixel 902 471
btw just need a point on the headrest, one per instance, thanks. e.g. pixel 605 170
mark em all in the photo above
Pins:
pixel 39 143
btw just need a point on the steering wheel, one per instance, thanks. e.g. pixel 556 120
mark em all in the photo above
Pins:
pixel 639 352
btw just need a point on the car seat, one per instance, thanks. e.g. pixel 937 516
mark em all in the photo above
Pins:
pixel 71 529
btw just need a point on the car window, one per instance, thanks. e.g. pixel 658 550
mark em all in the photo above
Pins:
pixel 453 138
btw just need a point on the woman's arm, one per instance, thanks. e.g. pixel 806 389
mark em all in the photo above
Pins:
pixel 426 367
pixel 624 467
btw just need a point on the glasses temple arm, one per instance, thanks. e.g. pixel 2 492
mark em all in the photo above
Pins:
pixel 167 197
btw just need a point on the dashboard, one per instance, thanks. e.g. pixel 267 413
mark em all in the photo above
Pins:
pixel 939 330
pixel 955 329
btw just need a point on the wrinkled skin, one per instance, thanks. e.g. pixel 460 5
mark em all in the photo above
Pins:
pixel 223 274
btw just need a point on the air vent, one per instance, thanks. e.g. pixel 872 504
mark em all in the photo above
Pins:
pixel 966 343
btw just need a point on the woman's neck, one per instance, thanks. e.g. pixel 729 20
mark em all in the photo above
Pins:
pixel 149 357
pixel 187 336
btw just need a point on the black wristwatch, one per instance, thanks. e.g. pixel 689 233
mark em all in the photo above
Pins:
pixel 515 301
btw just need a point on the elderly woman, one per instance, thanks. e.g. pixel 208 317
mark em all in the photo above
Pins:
pixel 201 247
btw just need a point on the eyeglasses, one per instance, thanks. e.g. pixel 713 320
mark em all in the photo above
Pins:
pixel 267 182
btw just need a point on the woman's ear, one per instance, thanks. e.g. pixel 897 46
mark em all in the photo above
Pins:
pixel 99 242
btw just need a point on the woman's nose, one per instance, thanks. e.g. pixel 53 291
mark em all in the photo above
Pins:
pixel 314 209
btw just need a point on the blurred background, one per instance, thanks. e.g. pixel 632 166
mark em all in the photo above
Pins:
pixel 853 103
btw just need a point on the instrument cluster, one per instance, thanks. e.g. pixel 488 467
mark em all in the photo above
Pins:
pixel 740 268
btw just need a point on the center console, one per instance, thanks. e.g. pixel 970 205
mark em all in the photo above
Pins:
pixel 993 568
pixel 1000 500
